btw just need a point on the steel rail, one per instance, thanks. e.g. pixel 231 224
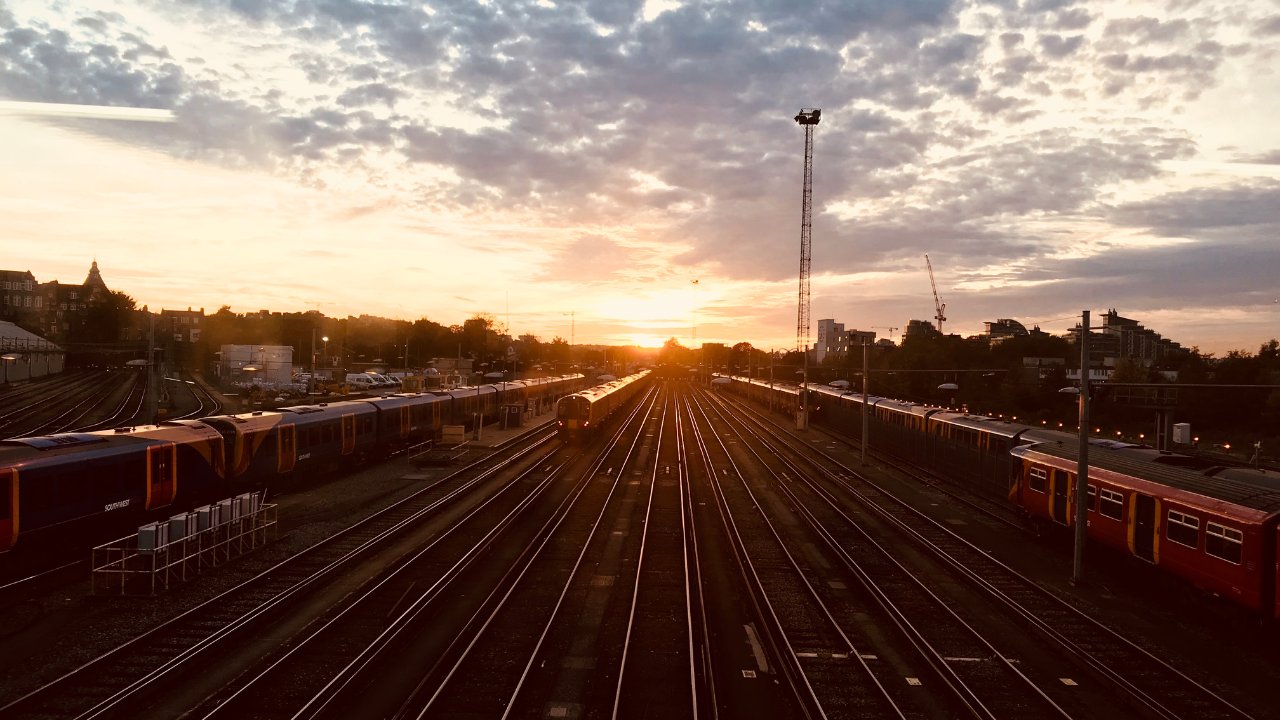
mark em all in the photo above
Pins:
pixel 1089 659
pixel 635 593
pixel 93 401
pixel 795 566
pixel 432 592
pixel 91 391
pixel 546 630
pixel 38 385
pixel 775 634
pixel 173 623
pixel 74 386
pixel 932 656
pixel 120 407
pixel 922 475
pixel 693 581
pixel 524 564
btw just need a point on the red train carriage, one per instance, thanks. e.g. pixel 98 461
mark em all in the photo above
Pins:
pixel 1218 533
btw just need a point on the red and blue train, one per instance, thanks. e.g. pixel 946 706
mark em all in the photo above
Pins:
pixel 1211 524
pixel 77 487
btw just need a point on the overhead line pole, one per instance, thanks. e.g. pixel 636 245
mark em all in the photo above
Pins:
pixel 1082 460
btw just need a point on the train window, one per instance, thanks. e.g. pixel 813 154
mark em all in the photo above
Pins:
pixel 1183 529
pixel 74 486
pixel 1093 498
pixel 367 425
pixel 1111 504
pixel 6 493
pixel 286 440
pixel 302 438
pixel 326 433
pixel 1223 542
pixel 997 445
pixel 1038 480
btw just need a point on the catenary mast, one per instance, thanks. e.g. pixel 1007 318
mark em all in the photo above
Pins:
pixel 808 119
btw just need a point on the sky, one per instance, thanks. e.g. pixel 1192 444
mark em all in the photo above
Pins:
pixel 572 167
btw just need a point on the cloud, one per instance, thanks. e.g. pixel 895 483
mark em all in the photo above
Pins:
pixel 973 131
pixel 588 259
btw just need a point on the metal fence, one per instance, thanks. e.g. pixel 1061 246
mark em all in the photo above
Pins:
pixel 163 554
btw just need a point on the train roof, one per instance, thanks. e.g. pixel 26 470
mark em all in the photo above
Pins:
pixel 1236 491
pixel 17 450
pixel 982 423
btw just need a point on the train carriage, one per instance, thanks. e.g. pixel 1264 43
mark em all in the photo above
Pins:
pixel 77 486
pixel 976 448
pixel 1218 533
pixel 583 412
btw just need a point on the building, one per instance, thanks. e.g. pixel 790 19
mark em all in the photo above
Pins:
pixel 1003 329
pixel 53 309
pixel 919 328
pixel 25 355
pixel 22 301
pixel 255 364
pixel 1121 337
pixel 833 339
pixel 184 325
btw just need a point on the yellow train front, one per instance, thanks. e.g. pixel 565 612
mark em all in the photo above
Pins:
pixel 583 412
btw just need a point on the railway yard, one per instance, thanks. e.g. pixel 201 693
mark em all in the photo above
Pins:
pixel 694 556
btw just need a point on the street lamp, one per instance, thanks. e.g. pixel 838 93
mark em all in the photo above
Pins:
pixel 8 358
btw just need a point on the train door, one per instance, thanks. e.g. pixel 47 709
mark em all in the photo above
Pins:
pixel 288 448
pixel 404 421
pixel 8 508
pixel 435 414
pixel 348 433
pixel 1144 527
pixel 1060 494
pixel 162 475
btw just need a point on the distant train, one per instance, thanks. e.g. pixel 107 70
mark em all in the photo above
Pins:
pixel 60 489
pixel 1211 524
pixel 583 412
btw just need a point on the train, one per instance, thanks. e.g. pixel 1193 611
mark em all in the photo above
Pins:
pixel 1212 525
pixel 582 413
pixel 61 489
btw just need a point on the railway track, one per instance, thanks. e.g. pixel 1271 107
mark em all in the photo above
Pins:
pixel 126 410
pixel 485 666
pixel 115 683
pixel 828 674
pixel 971 675
pixel 1145 682
pixel 15 422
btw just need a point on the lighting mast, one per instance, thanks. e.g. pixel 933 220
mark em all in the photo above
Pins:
pixel 808 119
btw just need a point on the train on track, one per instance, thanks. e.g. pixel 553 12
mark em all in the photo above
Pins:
pixel 582 413
pixel 1213 525
pixel 61 489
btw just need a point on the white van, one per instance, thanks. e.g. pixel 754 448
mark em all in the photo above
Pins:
pixel 360 381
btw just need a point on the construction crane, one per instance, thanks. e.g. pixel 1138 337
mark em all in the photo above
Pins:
pixel 885 327
pixel 938 305
pixel 808 119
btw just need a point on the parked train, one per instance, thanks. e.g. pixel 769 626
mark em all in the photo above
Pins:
pixel 581 413
pixel 1213 525
pixel 64 488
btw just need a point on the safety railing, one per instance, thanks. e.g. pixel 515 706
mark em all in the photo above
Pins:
pixel 163 554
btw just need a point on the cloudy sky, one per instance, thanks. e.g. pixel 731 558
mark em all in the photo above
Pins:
pixel 443 157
